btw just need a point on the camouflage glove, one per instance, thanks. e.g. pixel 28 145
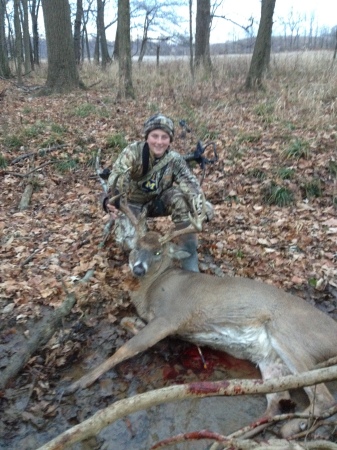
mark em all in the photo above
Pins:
pixel 105 199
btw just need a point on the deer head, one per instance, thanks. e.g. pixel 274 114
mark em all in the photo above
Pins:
pixel 153 253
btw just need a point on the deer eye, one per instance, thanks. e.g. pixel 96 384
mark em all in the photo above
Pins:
pixel 157 253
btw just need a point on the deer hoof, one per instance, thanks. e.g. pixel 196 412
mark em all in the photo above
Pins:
pixel 293 427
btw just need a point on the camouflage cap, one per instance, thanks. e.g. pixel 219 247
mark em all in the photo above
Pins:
pixel 161 122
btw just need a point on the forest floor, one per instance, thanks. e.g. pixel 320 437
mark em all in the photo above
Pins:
pixel 274 189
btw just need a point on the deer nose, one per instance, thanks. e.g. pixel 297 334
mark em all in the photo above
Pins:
pixel 139 270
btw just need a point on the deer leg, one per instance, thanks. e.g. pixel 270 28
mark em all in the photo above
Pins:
pixel 274 369
pixel 132 324
pixel 152 333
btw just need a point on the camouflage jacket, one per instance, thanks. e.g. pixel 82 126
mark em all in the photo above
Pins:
pixel 128 169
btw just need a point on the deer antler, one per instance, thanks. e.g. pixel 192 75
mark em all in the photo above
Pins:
pixel 196 221
pixel 122 196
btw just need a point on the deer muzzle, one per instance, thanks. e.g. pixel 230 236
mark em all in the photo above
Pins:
pixel 139 269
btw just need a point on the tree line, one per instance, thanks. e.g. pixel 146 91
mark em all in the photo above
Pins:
pixel 71 38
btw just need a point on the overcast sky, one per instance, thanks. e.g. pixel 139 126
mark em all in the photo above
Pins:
pixel 324 13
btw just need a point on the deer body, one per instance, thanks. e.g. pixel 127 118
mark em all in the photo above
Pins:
pixel 246 318
pixel 277 331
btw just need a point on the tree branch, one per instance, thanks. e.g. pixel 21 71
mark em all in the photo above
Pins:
pixel 119 409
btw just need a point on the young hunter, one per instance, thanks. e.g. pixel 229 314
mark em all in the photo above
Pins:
pixel 156 178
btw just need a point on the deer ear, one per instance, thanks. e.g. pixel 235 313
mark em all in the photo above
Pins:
pixel 176 252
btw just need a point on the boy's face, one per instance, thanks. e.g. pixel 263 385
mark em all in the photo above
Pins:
pixel 159 142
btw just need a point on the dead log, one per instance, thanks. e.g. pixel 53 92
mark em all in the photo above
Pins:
pixel 26 196
pixel 43 334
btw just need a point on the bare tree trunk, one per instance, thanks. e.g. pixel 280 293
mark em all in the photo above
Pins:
pixel 335 51
pixel 101 33
pixel 202 34
pixel 26 36
pixel 124 47
pixel 191 38
pixel 77 30
pixel 145 39
pixel 62 71
pixel 18 40
pixel 5 71
pixel 34 12
pixel 85 43
pixel 97 49
pixel 116 50
pixel 261 55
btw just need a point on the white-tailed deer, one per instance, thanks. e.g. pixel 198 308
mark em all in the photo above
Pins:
pixel 277 331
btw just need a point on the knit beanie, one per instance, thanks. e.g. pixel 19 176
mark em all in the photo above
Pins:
pixel 161 122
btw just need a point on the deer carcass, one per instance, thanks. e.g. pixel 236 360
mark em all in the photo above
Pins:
pixel 277 331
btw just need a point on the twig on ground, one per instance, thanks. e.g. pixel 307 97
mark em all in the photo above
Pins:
pixel 30 257
pixel 40 152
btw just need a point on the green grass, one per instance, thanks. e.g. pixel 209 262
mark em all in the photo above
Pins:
pixel 278 195
pixel 312 188
pixel 285 173
pixel 3 161
pixel 117 141
pixel 248 137
pixel 265 111
pixel 298 149
pixel 66 165
pixel 34 131
pixel 13 141
pixel 58 129
pixel 85 110
pixel 332 167
pixel 51 141
pixel 257 173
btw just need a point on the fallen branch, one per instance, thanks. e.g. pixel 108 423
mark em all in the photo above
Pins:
pixel 26 196
pixel 23 175
pixel 40 152
pixel 30 257
pixel 328 363
pixel 41 337
pixel 121 408
pixel 244 444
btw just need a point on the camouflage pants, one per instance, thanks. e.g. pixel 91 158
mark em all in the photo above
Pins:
pixel 172 202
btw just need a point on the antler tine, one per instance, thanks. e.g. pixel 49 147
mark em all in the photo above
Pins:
pixel 196 221
pixel 125 208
